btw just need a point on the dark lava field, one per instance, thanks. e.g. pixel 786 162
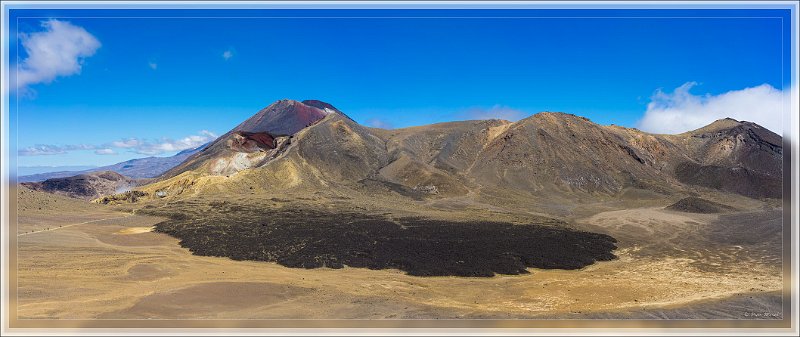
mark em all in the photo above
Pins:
pixel 306 238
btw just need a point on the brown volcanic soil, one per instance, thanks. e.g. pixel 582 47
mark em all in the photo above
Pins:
pixel 733 156
pixel 546 156
pixel 699 205
pixel 737 179
pixel 113 269
pixel 311 146
pixel 728 143
pixel 40 211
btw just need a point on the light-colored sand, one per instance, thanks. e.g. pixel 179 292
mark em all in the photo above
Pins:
pixel 103 263
pixel 90 271
pixel 135 230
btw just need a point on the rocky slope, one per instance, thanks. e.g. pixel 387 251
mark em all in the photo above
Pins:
pixel 257 140
pixel 738 157
pixel 86 186
pixel 312 146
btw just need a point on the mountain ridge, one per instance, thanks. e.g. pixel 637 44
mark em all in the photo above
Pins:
pixel 548 153
pixel 85 186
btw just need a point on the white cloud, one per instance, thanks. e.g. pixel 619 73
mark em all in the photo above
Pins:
pixel 46 150
pixel 135 145
pixel 41 150
pixel 153 65
pixel 379 123
pixel 126 143
pixel 495 112
pixel 104 151
pixel 682 111
pixel 59 50
pixel 168 145
pixel 227 54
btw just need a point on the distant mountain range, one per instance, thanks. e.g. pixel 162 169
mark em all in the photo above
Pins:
pixel 31 170
pixel 135 168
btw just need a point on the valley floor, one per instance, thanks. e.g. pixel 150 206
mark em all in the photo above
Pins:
pixel 96 263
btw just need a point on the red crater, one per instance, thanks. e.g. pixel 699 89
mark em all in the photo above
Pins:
pixel 251 141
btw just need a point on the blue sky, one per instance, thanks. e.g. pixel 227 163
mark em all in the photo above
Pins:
pixel 146 86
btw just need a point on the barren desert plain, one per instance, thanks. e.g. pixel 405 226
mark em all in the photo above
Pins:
pixel 87 261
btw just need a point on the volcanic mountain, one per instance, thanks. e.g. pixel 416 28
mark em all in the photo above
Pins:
pixel 311 145
pixel 256 140
pixel 733 156
pixel 303 185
